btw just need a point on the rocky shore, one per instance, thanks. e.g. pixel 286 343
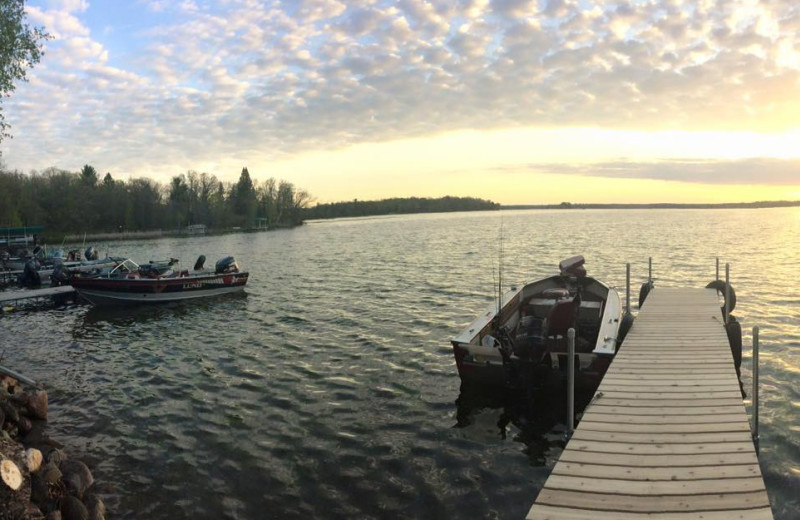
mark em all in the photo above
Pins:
pixel 38 480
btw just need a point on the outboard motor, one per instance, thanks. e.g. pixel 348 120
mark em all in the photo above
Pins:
pixel 59 276
pixel 91 253
pixel 227 265
pixel 201 260
pixel 30 275
pixel 573 267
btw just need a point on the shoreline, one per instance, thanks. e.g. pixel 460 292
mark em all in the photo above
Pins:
pixel 113 236
pixel 39 479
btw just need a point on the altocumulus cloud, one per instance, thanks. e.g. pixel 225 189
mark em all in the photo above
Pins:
pixel 246 78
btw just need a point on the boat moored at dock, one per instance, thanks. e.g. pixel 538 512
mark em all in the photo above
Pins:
pixel 526 329
pixel 129 283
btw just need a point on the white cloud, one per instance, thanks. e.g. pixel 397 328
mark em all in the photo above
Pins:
pixel 242 75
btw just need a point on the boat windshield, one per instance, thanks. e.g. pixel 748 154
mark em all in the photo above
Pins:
pixel 127 266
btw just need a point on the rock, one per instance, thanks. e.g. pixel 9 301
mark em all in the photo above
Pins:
pixel 73 509
pixel 50 473
pixel 9 384
pixel 37 404
pixel 97 509
pixel 53 515
pixel 10 474
pixel 37 438
pixel 33 512
pixel 24 425
pixel 2 417
pixel 56 456
pixel 34 459
pixel 77 476
pixel 40 490
pixel 11 428
pixel 11 413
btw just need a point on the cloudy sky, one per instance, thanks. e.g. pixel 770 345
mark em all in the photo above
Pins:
pixel 517 101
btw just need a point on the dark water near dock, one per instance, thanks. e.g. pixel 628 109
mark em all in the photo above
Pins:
pixel 329 390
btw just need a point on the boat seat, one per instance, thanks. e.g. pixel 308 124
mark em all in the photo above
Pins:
pixel 560 318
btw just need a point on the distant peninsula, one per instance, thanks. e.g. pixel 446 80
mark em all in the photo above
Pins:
pixel 400 206
pixel 396 206
pixel 659 205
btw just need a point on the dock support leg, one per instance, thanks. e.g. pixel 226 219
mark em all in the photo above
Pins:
pixel 755 388
pixel 727 292
pixel 717 278
pixel 570 382
pixel 628 288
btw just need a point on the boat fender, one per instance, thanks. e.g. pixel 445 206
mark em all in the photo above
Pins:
pixel 201 260
pixel 734 330
pixel 644 291
pixel 624 327
pixel 719 285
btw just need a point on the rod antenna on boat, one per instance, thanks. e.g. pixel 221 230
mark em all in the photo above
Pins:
pixel 500 273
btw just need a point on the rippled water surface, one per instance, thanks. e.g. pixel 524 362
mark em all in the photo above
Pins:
pixel 329 390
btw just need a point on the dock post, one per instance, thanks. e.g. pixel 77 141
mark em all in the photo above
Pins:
pixel 650 269
pixel 717 278
pixel 727 292
pixel 755 388
pixel 628 288
pixel 570 382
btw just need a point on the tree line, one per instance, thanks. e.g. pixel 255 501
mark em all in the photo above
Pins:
pixel 78 202
pixel 357 208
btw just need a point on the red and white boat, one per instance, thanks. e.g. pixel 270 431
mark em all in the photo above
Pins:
pixel 130 283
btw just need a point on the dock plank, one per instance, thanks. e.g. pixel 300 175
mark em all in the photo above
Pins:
pixel 13 296
pixel 666 436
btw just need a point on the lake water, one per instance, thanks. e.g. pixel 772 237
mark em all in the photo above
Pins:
pixel 329 390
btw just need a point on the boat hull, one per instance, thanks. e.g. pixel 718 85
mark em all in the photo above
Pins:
pixel 113 292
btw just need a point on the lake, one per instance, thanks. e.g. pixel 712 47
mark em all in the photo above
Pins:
pixel 329 390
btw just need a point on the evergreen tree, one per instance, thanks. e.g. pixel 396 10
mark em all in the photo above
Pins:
pixel 89 175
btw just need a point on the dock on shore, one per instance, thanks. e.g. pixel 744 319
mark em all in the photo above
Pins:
pixel 666 436
pixel 15 296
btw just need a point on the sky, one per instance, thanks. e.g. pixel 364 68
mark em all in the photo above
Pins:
pixel 511 100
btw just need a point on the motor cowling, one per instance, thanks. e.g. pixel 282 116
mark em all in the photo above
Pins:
pixel 30 274
pixel 91 253
pixel 59 276
pixel 226 265
pixel 573 267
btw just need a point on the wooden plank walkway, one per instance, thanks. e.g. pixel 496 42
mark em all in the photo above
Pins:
pixel 667 436
pixel 13 296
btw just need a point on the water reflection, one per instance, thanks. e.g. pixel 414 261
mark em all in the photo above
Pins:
pixel 535 417
pixel 180 310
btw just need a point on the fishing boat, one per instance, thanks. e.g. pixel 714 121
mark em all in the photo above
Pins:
pixel 525 330
pixel 131 283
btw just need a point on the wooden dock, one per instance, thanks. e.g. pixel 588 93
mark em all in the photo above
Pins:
pixel 666 436
pixel 14 296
